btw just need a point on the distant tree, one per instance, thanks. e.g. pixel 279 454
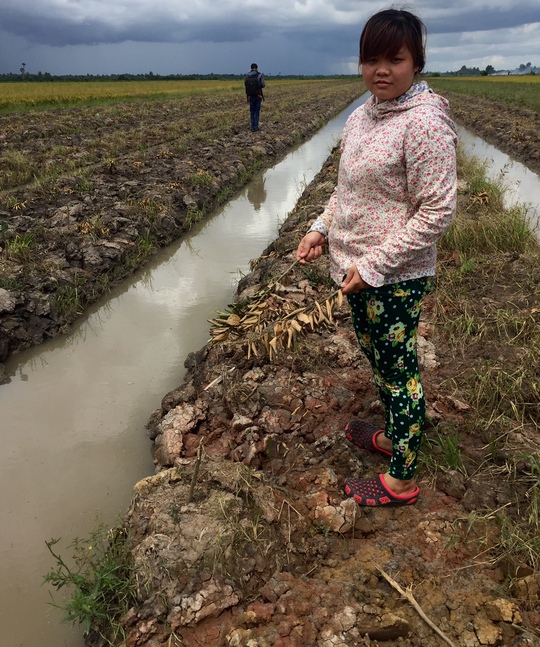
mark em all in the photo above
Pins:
pixel 23 69
pixel 489 69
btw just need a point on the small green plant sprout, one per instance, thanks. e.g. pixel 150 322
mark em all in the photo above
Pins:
pixel 443 451
pixel 18 248
pixel 467 264
pixel 68 302
pixel 100 578
pixel 201 178
pixel 3 229
pixel 110 165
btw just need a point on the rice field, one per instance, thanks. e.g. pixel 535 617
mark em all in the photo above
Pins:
pixel 68 93
pixel 522 91
pixel 29 95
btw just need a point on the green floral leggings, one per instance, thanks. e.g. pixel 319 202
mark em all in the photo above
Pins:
pixel 385 320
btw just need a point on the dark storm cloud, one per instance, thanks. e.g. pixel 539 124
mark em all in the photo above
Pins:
pixel 484 18
pixel 85 25
pixel 55 32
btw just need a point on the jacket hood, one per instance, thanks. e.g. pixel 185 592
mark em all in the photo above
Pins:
pixel 419 94
pixel 253 73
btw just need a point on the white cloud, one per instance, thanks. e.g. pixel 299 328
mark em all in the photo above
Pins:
pixel 502 48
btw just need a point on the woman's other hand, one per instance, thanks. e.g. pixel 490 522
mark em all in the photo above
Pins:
pixel 311 247
pixel 353 282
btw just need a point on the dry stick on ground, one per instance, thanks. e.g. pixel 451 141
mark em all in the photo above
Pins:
pixel 196 471
pixel 409 596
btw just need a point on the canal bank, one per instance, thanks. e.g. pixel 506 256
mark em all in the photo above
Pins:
pixel 245 536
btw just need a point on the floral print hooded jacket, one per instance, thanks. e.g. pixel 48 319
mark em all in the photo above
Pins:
pixel 396 191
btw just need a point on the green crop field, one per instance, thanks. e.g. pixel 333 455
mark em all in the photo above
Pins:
pixel 521 91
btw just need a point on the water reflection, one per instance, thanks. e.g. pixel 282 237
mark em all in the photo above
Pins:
pixel 256 192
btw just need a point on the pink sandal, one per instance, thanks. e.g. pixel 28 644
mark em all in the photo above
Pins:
pixel 364 435
pixel 375 492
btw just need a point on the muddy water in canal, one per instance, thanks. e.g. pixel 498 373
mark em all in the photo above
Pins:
pixel 522 185
pixel 74 409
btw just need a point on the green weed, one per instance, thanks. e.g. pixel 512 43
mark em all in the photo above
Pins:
pixel 16 168
pixel 100 578
pixel 68 302
pixel 486 309
pixel 19 248
pixel 520 536
pixel 193 216
pixel 200 178
pixel 11 284
pixel 144 249
pixel 3 230
pixel 442 450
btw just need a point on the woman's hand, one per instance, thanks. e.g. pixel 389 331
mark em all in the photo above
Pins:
pixel 353 282
pixel 311 247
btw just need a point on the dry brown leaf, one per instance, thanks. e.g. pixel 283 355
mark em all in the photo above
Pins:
pixel 291 337
pixel 329 310
pixel 219 331
pixel 322 316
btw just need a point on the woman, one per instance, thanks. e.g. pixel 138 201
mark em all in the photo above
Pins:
pixel 396 195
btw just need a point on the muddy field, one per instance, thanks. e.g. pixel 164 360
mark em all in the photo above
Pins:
pixel 513 130
pixel 87 194
pixel 268 552
pixel 262 548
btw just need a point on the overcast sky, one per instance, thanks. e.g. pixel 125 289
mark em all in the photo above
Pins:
pixel 225 36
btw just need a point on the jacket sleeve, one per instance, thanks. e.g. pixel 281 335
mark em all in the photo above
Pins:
pixel 430 159
pixel 261 81
pixel 324 221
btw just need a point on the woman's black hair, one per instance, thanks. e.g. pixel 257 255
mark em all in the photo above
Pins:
pixel 387 31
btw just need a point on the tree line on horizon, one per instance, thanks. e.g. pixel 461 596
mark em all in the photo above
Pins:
pixel 523 68
pixel 44 77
